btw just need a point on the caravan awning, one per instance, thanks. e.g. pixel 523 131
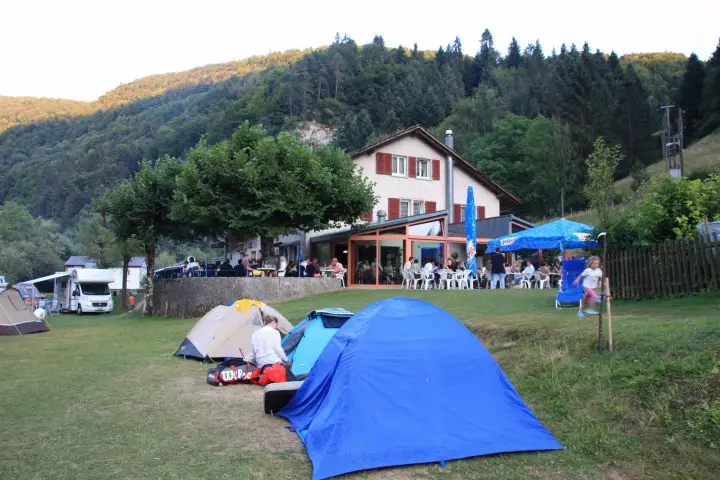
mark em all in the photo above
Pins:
pixel 49 277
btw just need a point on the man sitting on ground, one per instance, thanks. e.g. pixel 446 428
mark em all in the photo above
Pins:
pixel 266 347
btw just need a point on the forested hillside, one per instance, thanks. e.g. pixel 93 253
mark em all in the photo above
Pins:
pixel 521 114
pixel 23 110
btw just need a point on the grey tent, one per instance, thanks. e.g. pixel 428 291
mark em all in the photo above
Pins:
pixel 15 317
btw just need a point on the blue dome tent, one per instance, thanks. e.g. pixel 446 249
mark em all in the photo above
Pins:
pixel 379 395
pixel 561 234
pixel 304 344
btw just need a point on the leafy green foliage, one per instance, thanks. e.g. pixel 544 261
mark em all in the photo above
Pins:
pixel 670 209
pixel 139 211
pixel 29 247
pixel 255 184
pixel 600 191
pixel 529 157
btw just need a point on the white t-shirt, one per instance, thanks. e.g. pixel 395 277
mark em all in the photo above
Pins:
pixel 429 267
pixel 591 278
pixel 266 348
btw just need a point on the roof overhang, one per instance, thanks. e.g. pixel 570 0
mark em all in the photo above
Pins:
pixel 49 277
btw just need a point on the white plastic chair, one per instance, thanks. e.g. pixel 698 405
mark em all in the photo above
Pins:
pixel 428 280
pixel 471 280
pixel 526 281
pixel 542 280
pixel 461 279
pixel 416 280
pixel 406 278
pixel 447 281
pixel 341 276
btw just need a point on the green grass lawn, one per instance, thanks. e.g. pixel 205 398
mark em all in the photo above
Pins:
pixel 102 397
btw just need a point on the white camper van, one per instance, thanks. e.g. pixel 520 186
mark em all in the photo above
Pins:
pixel 81 290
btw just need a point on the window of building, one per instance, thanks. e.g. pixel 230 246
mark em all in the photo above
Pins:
pixel 418 207
pixel 424 168
pixel 462 214
pixel 399 165
pixel 404 208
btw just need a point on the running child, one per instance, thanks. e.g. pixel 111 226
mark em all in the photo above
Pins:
pixel 591 282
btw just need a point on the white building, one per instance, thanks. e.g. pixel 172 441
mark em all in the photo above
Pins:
pixel 415 174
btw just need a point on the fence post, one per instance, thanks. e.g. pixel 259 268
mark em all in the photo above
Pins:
pixel 702 267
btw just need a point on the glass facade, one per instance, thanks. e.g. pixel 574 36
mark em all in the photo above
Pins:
pixel 392 259
pixel 364 262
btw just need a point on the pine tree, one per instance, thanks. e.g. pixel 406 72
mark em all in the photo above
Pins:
pixel 514 57
pixel 691 95
pixel 711 94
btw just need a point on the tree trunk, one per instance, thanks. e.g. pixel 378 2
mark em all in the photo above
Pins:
pixel 125 267
pixel 149 305
pixel 267 248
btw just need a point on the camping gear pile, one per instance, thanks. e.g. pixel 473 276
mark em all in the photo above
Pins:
pixel 376 394
pixel 16 317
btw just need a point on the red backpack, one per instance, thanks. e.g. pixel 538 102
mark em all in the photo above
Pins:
pixel 275 373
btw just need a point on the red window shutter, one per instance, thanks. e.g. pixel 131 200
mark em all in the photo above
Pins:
pixel 381 164
pixel 412 167
pixel 388 163
pixel 393 208
pixel 436 170
pixel 368 217
pixel 480 212
pixel 430 207
pixel 456 213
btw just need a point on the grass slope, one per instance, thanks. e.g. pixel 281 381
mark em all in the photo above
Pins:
pixel 101 397
pixel 702 155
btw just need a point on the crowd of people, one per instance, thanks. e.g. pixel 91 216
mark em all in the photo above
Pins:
pixel 252 267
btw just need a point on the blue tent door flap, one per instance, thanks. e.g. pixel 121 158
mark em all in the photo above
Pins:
pixel 376 396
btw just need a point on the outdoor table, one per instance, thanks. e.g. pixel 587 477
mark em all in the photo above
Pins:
pixel 266 270
pixel 327 272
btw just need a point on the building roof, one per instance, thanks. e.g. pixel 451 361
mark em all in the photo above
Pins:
pixel 357 229
pixel 79 261
pixel 418 131
pixel 493 227
pixel 137 262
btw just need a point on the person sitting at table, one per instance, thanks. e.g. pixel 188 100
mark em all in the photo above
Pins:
pixel 527 272
pixel 302 267
pixel 336 267
pixel 226 270
pixel 316 266
pixel 310 270
pixel 450 265
pixel 240 269
pixel 282 267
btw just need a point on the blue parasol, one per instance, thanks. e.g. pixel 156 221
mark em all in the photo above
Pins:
pixel 561 234
pixel 470 237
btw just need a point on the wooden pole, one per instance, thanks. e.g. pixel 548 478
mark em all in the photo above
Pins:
pixel 608 299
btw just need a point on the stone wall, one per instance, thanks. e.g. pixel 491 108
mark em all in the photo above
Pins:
pixel 194 297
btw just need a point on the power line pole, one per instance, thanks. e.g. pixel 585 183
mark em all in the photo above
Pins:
pixel 672 144
pixel 681 139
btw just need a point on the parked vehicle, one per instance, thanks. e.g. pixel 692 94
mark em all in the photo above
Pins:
pixel 80 290
pixel 3 283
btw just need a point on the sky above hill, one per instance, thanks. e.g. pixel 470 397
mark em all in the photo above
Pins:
pixel 80 49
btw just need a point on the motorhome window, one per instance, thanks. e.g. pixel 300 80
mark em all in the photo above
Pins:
pixel 95 288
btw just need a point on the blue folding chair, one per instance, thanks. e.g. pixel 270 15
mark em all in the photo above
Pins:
pixel 569 295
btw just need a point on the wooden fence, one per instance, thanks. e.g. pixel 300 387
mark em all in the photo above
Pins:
pixel 674 267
